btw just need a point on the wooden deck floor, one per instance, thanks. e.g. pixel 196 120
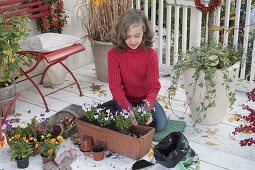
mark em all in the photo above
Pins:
pixel 217 148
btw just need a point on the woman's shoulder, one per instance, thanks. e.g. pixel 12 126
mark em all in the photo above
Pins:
pixel 152 52
pixel 113 51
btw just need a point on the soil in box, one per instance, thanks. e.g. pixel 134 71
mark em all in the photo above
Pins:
pixel 130 146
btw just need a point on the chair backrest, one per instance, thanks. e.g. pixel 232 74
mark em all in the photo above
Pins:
pixel 33 10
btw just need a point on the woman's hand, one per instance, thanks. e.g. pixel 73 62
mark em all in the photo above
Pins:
pixel 133 119
pixel 149 120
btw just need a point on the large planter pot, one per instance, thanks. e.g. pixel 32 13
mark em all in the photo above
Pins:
pixel 129 146
pixel 100 50
pixel 213 115
pixel 6 96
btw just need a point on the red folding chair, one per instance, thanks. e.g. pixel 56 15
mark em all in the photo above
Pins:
pixel 9 106
pixel 35 10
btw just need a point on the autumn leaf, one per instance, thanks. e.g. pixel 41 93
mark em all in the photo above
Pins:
pixel 182 86
pixel 160 98
pixel 95 88
pixel 234 118
pixel 204 136
pixel 213 132
pixel 247 132
pixel 167 106
pixel 48 86
pixel 212 143
pixel 16 114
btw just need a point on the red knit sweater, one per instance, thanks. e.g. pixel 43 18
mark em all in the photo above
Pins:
pixel 133 76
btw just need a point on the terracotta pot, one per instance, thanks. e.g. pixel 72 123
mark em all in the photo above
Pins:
pixel 22 163
pixel 86 144
pixel 47 159
pixel 118 142
pixel 98 152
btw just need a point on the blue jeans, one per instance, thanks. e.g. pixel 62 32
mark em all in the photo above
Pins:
pixel 159 116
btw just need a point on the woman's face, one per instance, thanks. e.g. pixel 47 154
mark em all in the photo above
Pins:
pixel 134 36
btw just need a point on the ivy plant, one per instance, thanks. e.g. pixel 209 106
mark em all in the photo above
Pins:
pixel 207 58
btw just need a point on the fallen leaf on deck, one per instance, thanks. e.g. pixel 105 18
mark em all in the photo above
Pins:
pixel 247 132
pixel 182 86
pixel 190 115
pixel 150 154
pixel 212 143
pixel 160 98
pixel 234 118
pixel 16 114
pixel 231 137
pixel 167 106
pixel 204 136
pixel 102 93
pixel 213 132
pixel 48 86
pixel 95 88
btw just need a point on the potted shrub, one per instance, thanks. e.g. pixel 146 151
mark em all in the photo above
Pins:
pixel 98 20
pixel 210 73
pixel 248 125
pixel 13 30
pixel 21 149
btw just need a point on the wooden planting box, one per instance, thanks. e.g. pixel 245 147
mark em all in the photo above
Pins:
pixel 125 145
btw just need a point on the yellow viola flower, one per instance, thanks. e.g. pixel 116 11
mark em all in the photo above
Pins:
pixel 17 136
pixel 53 141
pixel 48 135
pixel 8 52
pixel 60 139
pixel 12 59
pixel 50 151
pixel 36 145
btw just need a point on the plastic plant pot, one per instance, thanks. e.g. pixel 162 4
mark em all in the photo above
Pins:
pixel 98 152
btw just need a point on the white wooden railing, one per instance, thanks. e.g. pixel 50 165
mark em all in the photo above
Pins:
pixel 185 21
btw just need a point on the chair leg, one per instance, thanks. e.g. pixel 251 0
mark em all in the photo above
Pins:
pixel 11 104
pixel 37 88
pixel 78 85
pixel 6 114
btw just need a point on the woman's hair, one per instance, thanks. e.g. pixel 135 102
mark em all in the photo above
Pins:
pixel 126 20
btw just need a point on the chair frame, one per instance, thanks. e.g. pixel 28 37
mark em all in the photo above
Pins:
pixel 35 10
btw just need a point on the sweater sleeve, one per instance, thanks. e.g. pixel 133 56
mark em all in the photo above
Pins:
pixel 115 84
pixel 152 81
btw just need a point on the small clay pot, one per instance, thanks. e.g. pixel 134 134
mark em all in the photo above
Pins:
pixel 98 152
pixel 86 144
pixel 47 159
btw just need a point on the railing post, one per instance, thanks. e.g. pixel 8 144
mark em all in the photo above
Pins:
pixel 195 28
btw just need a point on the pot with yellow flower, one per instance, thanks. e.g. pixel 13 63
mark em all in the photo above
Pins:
pixel 21 149
pixel 13 30
pixel 49 147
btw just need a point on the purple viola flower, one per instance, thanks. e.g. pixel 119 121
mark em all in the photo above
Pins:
pixel 8 127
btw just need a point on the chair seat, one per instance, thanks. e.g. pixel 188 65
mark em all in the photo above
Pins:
pixel 57 55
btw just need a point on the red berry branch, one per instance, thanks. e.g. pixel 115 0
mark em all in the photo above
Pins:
pixel 213 5
pixel 250 118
